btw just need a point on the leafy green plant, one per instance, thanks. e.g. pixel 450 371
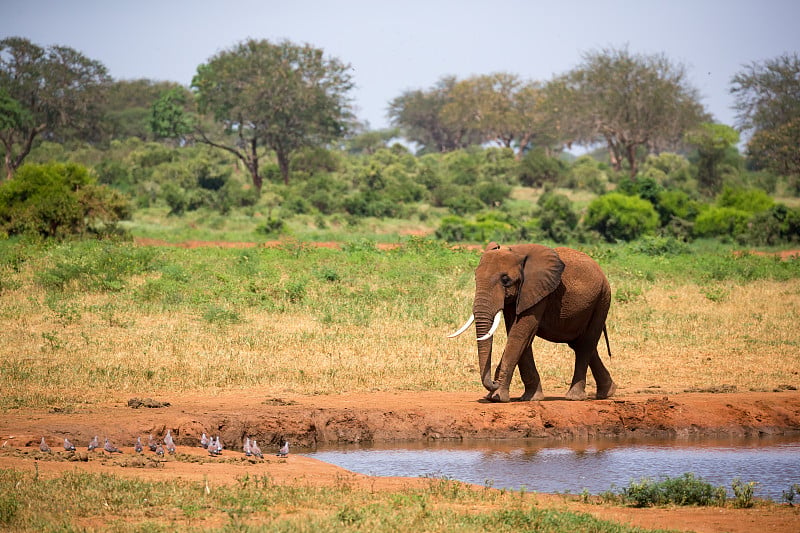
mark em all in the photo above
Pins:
pixel 684 490
pixel 58 200
pixel 788 495
pixel 743 493
pixel 619 217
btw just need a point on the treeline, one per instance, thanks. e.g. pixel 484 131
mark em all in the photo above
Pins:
pixel 269 126
pixel 473 194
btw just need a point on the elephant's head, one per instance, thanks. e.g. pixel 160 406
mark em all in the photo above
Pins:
pixel 511 279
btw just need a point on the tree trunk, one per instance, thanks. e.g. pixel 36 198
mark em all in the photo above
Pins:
pixel 630 152
pixel 283 163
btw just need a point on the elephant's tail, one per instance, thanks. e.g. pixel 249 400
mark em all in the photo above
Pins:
pixel 608 346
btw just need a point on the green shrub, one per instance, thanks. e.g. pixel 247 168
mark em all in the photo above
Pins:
pixel 58 200
pixel 749 200
pixel 537 168
pixel 486 227
pixel 721 221
pixel 557 219
pixel 619 217
pixel 492 193
pixel 776 226
pixel 684 490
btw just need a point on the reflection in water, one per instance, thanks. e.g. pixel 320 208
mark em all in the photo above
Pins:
pixel 593 466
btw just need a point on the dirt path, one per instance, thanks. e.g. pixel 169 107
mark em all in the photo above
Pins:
pixel 376 417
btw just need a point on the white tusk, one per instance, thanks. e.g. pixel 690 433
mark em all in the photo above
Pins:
pixel 496 323
pixel 463 328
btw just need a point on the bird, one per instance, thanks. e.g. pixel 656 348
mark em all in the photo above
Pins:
pixel 171 447
pixel 110 448
pixel 159 450
pixel 255 450
pixel 152 444
pixel 284 451
pixel 168 439
pixel 68 446
pixel 215 447
pixel 204 441
pixel 94 443
pixel 246 448
pixel 138 448
pixel 44 447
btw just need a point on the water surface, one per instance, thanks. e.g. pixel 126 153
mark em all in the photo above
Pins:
pixel 595 466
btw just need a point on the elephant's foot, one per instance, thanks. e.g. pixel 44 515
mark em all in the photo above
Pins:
pixel 500 396
pixel 577 391
pixel 533 393
pixel 606 391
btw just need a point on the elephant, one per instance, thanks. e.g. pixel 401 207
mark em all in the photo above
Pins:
pixel 558 294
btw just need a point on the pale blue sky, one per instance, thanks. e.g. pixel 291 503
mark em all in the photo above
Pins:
pixel 400 45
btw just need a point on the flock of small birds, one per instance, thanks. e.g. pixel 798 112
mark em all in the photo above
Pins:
pixel 212 444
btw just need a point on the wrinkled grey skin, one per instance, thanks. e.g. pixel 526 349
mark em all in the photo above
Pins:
pixel 560 295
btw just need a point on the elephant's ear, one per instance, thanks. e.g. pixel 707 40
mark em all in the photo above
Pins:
pixel 541 275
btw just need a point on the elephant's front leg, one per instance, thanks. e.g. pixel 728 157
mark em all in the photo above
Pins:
pixel 520 336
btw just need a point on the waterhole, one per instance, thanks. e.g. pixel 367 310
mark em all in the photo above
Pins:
pixel 553 467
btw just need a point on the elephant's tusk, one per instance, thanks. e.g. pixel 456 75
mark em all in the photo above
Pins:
pixel 496 323
pixel 463 328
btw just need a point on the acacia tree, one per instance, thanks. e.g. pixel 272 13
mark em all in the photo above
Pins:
pixel 501 108
pixel 627 101
pixel 767 99
pixel 418 113
pixel 280 96
pixel 45 91
pixel 712 142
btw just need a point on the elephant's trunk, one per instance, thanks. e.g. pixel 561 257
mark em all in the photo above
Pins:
pixel 484 328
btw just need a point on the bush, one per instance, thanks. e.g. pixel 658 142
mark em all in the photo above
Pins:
pixel 776 226
pixel 749 200
pixel 621 218
pixel 684 490
pixel 721 221
pixel 557 219
pixel 537 168
pixel 58 200
pixel 486 227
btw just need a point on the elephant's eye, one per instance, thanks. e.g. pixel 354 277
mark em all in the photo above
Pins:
pixel 505 280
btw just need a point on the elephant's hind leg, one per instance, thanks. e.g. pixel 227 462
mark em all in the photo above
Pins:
pixel 605 385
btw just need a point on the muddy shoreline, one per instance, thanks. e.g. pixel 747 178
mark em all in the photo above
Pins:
pixel 309 421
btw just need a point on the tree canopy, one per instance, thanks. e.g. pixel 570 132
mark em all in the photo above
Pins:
pixel 627 101
pixel 47 90
pixel 767 99
pixel 282 96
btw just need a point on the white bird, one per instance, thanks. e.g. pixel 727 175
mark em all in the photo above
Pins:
pixel 110 448
pixel 246 448
pixel 284 451
pixel 204 441
pixel 218 446
pixel 152 444
pixel 255 450
pixel 138 448
pixel 168 439
pixel 94 443
pixel 68 446
pixel 44 447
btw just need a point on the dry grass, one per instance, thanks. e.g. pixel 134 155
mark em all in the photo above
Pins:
pixel 96 346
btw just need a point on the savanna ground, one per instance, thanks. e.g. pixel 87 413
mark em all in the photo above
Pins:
pixel 347 344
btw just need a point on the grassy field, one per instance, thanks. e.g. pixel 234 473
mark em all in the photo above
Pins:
pixel 88 322
pixel 78 501
pixel 117 319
